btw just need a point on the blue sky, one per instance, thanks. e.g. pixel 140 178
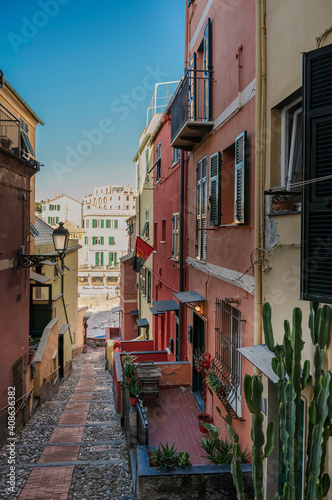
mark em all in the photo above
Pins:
pixel 88 70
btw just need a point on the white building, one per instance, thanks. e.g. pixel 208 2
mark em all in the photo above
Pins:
pixel 60 209
pixel 106 239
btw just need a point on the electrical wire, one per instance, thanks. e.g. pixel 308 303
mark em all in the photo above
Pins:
pixel 222 237
pixel 303 183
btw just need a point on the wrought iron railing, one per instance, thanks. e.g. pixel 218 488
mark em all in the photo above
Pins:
pixel 11 137
pixel 142 424
pixel 192 101
pixel 227 360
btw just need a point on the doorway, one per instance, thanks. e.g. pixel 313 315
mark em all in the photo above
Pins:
pixel 198 344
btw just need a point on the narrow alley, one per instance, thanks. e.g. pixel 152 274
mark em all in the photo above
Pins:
pixel 73 447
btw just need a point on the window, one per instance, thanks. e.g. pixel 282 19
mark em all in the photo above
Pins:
pixel 146 228
pixel 201 210
pixel 316 262
pixel 25 141
pixel 291 144
pixel 239 182
pixel 207 66
pixel 99 258
pixel 192 87
pixel 83 280
pixel 97 280
pixel 175 236
pixel 215 189
pixel 158 151
pixel 97 240
pixel 86 240
pixel 163 230
pixel 53 220
pixel 87 223
pixel 112 280
pixel 127 207
pixel 111 240
pixel 58 207
pixel 127 198
pixel 176 155
pixel 227 360
pixel 148 283
pixel 146 164
pixel 116 224
pixel 142 281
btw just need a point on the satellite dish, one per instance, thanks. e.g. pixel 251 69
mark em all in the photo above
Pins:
pixel 2 79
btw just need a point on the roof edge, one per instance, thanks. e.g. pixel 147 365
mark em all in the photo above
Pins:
pixel 24 104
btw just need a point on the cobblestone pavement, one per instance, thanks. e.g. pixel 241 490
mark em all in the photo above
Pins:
pixel 73 447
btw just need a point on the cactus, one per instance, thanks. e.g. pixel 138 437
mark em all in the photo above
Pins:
pixel 287 366
pixel 253 389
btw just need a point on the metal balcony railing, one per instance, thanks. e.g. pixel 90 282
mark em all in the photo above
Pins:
pixel 193 100
pixel 14 139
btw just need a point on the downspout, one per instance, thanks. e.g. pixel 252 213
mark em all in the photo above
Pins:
pixel 139 232
pixel 181 251
pixel 259 165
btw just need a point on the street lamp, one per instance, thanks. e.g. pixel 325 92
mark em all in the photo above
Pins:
pixel 60 237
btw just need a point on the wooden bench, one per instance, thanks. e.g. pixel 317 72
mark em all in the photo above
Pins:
pixel 149 375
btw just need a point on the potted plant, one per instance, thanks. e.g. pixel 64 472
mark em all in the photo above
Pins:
pixel 216 384
pixel 134 390
pixel 202 362
pixel 168 457
pixel 282 201
pixel 128 367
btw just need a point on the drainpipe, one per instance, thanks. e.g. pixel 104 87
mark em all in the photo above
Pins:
pixel 139 232
pixel 259 201
pixel 181 250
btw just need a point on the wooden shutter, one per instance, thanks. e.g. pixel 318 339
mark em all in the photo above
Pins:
pixel 93 240
pixel 97 258
pixel 201 209
pixel 111 240
pixel 240 165
pixel 86 240
pixel 110 258
pixel 115 258
pixel 316 261
pixel 58 208
pixel 107 224
pixel 93 222
pixel 102 223
pixel 102 240
pixel 116 224
pixel 215 189
pixel 57 220
pixel 192 87
pixel 207 66
pixel 101 258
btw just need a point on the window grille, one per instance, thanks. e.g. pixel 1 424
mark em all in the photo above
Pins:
pixel 227 360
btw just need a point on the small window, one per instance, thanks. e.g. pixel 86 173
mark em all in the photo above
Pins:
pixel 176 155
pixel 163 230
pixel 158 166
pixel 175 236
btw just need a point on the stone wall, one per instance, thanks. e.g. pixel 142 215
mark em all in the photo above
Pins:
pixel 200 482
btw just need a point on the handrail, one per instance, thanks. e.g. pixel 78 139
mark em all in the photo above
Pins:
pixel 58 368
pixel 19 399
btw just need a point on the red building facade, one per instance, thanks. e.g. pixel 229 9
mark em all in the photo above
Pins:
pixel 166 216
pixel 213 119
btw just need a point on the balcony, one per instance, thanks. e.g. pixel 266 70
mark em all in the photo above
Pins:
pixel 14 138
pixel 191 112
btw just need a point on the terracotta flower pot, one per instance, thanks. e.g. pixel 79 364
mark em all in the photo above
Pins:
pixel 206 419
pixel 132 400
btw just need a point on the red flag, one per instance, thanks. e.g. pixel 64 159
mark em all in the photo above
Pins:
pixel 141 254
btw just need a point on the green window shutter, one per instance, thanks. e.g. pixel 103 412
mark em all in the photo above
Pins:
pixel 110 258
pixel 207 65
pixel 115 258
pixel 102 240
pixel 58 208
pixel 101 258
pixel 49 220
pixel 240 165
pixel 93 222
pixel 192 87
pixel 111 240
pixel 215 189
pixel 107 224
pixel 116 224
pixel 102 223
pixel 57 220
pixel 86 240
pixel 93 240
pixel 97 258
pixel 316 261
